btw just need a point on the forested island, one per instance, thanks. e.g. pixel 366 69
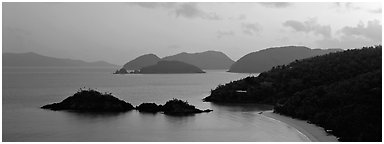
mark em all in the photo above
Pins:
pixel 164 67
pixel 93 101
pixel 340 92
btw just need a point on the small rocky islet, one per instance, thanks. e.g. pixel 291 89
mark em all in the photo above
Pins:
pixel 90 100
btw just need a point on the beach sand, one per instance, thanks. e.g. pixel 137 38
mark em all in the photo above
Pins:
pixel 313 132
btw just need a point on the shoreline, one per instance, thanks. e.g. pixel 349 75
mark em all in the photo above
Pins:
pixel 312 132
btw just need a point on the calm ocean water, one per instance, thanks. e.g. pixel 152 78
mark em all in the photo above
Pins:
pixel 27 89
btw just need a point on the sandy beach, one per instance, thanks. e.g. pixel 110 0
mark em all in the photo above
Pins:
pixel 313 132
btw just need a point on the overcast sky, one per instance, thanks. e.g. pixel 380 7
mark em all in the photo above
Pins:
pixel 119 32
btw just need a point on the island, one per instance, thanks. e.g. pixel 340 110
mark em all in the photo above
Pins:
pixel 121 71
pixel 204 60
pixel 32 59
pixel 171 107
pixel 141 61
pixel 263 60
pixel 90 100
pixel 170 67
pixel 341 92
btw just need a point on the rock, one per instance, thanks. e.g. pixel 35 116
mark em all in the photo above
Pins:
pixel 91 101
pixel 149 107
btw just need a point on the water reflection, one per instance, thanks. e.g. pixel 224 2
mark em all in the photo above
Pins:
pixel 92 115
pixel 240 107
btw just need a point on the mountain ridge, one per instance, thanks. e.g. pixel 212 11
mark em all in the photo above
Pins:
pixel 262 60
pixel 32 59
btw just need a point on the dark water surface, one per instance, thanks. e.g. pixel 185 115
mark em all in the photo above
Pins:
pixel 27 89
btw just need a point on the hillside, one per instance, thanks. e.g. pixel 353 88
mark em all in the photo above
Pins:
pixel 339 91
pixel 263 60
pixel 35 60
pixel 203 60
pixel 169 67
pixel 141 61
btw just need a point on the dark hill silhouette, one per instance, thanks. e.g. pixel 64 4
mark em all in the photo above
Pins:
pixel 142 61
pixel 203 60
pixel 91 101
pixel 263 60
pixel 163 67
pixel 341 92
pixel 35 60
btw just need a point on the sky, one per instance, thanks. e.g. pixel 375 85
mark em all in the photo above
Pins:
pixel 120 32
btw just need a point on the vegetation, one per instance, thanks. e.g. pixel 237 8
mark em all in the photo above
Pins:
pixel 149 107
pixel 263 60
pixel 121 71
pixel 171 107
pixel 338 91
pixel 92 101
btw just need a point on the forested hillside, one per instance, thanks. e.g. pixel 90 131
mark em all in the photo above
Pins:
pixel 339 91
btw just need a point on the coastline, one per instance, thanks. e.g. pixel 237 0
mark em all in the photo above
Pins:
pixel 312 132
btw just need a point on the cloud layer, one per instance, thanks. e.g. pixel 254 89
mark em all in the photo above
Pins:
pixel 186 10
pixel 276 4
pixel 309 26
pixel 250 28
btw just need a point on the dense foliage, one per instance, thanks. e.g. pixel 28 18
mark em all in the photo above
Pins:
pixel 339 91
pixel 91 101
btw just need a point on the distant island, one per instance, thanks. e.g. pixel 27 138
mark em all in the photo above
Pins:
pixel 36 60
pixel 341 92
pixel 263 60
pixel 169 67
pixel 89 100
pixel 203 60
pixel 141 62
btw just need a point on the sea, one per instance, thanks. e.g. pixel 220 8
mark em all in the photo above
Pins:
pixel 25 90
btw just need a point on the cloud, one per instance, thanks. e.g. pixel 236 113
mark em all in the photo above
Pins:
pixel 154 4
pixel 346 6
pixel 354 37
pixel 371 31
pixel 239 17
pixel 186 10
pixel 376 11
pixel 250 28
pixel 276 4
pixel 221 34
pixel 309 26
pixel 191 10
